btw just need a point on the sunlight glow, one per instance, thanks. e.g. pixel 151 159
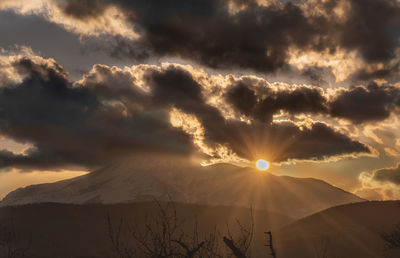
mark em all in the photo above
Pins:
pixel 262 164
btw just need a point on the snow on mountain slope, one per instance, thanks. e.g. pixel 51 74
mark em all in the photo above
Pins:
pixel 149 179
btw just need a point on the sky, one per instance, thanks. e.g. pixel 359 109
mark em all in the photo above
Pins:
pixel 311 86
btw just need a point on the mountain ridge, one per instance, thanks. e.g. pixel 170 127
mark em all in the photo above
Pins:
pixel 221 184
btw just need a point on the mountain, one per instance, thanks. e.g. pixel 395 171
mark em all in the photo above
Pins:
pixel 163 179
pixel 352 230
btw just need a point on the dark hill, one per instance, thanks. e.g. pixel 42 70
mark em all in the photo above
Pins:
pixel 352 230
pixel 67 230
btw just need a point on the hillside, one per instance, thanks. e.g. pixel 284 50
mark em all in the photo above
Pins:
pixel 66 230
pixel 145 180
pixel 352 230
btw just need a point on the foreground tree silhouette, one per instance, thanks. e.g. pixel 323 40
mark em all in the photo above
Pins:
pixel 163 236
pixel 270 244
pixel 240 247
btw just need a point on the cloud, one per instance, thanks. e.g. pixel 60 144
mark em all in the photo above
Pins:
pixel 385 181
pixel 207 32
pixel 373 28
pixel 109 20
pixel 112 113
pixel 388 175
pixel 259 36
pixel 285 141
pixel 173 86
pixel 269 101
pixel 75 125
pixel 358 104
pixel 364 104
pixel 360 38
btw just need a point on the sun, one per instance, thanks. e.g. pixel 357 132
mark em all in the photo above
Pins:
pixel 262 164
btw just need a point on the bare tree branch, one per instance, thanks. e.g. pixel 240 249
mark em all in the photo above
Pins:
pixel 241 246
pixel 270 244
pixel 162 235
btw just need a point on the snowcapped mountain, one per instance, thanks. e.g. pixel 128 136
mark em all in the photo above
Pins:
pixel 162 179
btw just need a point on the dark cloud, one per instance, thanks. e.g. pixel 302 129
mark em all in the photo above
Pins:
pixel 282 142
pixel 359 104
pixel 268 102
pixel 365 104
pixel 76 125
pixel 388 175
pixel 316 142
pixel 105 117
pixel 384 73
pixel 256 37
pixel 242 98
pixel 286 141
pixel 314 75
pixel 253 36
pixel 83 9
pixel 204 31
pixel 42 159
pixel 174 87
pixel 373 28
